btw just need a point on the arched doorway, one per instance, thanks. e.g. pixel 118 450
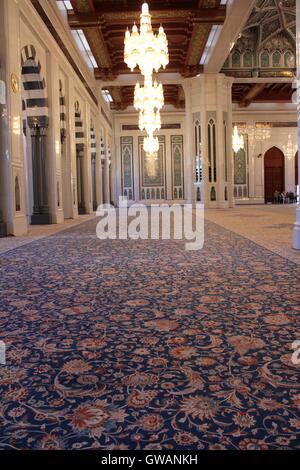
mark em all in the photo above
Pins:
pixel 274 173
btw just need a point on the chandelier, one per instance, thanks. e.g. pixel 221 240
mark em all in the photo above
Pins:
pixel 149 52
pixel 258 131
pixel 290 149
pixel 149 97
pixel 148 101
pixel 145 49
pixel 237 141
pixel 151 146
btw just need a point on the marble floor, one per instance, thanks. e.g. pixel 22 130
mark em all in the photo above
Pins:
pixel 37 232
pixel 269 226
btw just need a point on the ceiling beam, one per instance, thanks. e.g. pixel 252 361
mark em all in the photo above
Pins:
pixel 93 19
pixel 238 13
pixel 251 95
pixel 131 79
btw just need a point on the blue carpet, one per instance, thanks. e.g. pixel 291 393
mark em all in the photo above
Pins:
pixel 143 345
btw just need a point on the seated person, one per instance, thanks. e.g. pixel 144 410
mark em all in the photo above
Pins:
pixel 276 197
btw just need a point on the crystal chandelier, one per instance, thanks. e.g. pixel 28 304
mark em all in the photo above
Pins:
pixel 149 52
pixel 145 49
pixel 237 141
pixel 290 149
pixel 148 101
pixel 256 132
pixel 151 146
pixel 149 97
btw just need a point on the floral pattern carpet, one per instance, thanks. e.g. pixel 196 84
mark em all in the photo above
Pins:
pixel 143 345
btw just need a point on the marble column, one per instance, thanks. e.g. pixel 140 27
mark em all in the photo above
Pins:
pixel 106 172
pixel 80 181
pixel 11 145
pixel 41 214
pixel 209 101
pixel 94 183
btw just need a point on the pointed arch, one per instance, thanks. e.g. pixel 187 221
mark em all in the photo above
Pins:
pixel 274 173
pixel 34 92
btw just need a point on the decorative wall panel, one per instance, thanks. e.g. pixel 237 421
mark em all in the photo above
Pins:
pixel 127 167
pixel 177 166
pixel 152 172
pixel 241 172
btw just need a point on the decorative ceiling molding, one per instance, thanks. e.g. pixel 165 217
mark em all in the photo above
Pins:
pixel 267 44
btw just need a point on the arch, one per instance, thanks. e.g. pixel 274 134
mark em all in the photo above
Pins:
pixel 212 156
pixel 265 59
pixel 34 93
pixel 274 173
pixel 276 59
pixel 236 59
pixel 248 59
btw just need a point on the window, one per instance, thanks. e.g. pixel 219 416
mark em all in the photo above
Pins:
pixel 247 59
pixel 84 48
pixel 265 59
pixel 236 59
pixel 212 157
pixel 107 96
pixel 276 59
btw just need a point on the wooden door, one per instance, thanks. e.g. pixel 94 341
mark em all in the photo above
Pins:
pixel 274 173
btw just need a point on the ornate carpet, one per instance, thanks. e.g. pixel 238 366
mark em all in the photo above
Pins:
pixel 143 345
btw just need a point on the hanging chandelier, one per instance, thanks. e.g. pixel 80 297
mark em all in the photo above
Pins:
pixel 237 141
pixel 149 97
pixel 145 49
pixel 149 100
pixel 290 149
pixel 151 146
pixel 149 52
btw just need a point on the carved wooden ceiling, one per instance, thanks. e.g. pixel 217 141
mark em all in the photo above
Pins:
pixel 247 93
pixel 123 96
pixel 187 23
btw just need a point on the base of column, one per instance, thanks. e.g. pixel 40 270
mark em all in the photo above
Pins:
pixel 41 219
pixel 81 210
pixel 3 230
pixel 296 237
